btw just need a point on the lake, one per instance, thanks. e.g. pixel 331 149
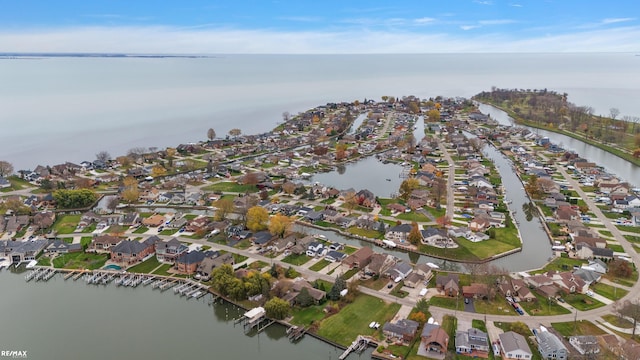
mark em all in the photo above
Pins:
pixel 68 109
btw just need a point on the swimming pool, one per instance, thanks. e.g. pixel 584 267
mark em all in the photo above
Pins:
pixel 112 267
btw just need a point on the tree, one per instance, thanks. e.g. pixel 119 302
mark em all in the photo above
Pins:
pixel 419 317
pixel 130 181
pixel 339 285
pixel 443 221
pixel 289 187
pixel 279 225
pixel 211 134
pixel 250 178
pixel 422 306
pixel 533 188
pixel 235 132
pixel 113 202
pixel 103 156
pixel 433 115
pixel 223 208
pixel 407 187
pixel 257 218
pixel 304 299
pixel 70 199
pixel 6 168
pixel 286 116
pixel 629 309
pixel 276 308
pixel 350 201
pixel 158 171
pixel 620 268
pixel 415 236
pixel 614 112
pixel 341 151
pixel 130 194
pixel 136 153
pixel 171 154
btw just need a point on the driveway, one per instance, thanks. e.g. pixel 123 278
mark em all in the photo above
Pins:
pixel 469 307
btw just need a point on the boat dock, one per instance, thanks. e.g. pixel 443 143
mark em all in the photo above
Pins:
pixel 358 345
pixel 40 273
pixel 295 333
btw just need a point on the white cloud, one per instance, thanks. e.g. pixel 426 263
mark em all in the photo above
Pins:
pixel 301 18
pixel 424 20
pixel 483 2
pixel 616 20
pixel 169 40
pixel 515 5
pixel 496 22
pixel 469 27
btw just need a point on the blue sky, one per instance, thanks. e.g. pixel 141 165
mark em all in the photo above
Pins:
pixel 327 26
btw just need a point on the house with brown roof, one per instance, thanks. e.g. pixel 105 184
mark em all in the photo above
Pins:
pixel 379 264
pixel 360 258
pixel 103 243
pixel 476 291
pixel 516 289
pixel 434 340
pixel 153 220
pixel 296 288
pixel 448 284
pixel 130 251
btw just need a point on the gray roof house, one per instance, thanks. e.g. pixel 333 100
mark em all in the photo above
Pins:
pixel 550 346
pixel 403 330
pixel 585 344
pixel 470 341
pixel 400 270
pixel 20 251
pixel 514 346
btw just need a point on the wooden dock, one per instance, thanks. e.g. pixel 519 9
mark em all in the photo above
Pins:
pixel 358 345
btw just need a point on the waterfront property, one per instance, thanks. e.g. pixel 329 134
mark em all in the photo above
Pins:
pixel 514 346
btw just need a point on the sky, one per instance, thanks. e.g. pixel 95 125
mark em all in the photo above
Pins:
pixel 319 26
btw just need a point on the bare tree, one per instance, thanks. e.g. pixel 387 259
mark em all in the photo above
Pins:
pixel 136 152
pixel 629 309
pixel 5 168
pixel 614 112
pixel 286 116
pixel 103 156
pixel 211 134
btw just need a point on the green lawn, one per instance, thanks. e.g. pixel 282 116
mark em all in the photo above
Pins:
pixel 168 231
pixel 561 264
pixel 447 302
pixel 66 224
pixel 543 306
pixel 579 327
pixel 243 244
pixel 375 284
pixel 162 270
pixel 450 324
pixel 631 229
pixel 413 216
pixel 44 261
pixel 582 302
pixel 617 321
pixel 141 230
pixel 80 260
pixel 354 319
pixel 89 229
pixel 228 186
pixel 497 306
pixel 298 260
pixel 145 266
pixel 615 247
pixel 319 265
pixel 306 316
pixel 349 250
pixel 16 184
pixel 608 291
pixel 373 234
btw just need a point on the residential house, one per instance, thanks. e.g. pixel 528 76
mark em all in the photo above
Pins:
pixel 283 244
pixel 448 284
pixel 261 237
pixel 4 183
pixel 549 345
pixel 168 251
pixel 16 222
pixel 398 233
pixel 516 289
pixel 479 223
pixel 335 256
pixel 43 220
pixel 103 243
pixel 60 247
pixel 130 251
pixel 21 251
pixel 585 344
pixel 402 331
pixel 475 291
pixel 379 264
pixel 198 224
pixel 587 275
pixel 154 220
pixel 130 219
pixel 596 265
pixel 399 271
pixel 424 270
pixel 434 339
pixel 314 248
pixel 188 262
pixel 584 251
pixel 359 259
pixel 297 286
pixel 473 342
pixel 212 261
pixel 514 346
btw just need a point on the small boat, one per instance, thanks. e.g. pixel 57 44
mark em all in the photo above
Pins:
pixel 388 179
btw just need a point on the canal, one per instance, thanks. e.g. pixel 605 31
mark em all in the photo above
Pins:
pixel 61 319
pixel 611 163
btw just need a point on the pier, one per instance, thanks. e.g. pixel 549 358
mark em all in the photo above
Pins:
pixel 358 345
pixel 41 273
pixel 295 333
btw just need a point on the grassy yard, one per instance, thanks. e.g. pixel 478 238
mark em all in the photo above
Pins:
pixel 145 267
pixel 168 231
pixel 66 224
pixel 372 234
pixel 582 302
pixel 354 319
pixel 243 244
pixel 579 327
pixel 543 307
pixel 375 284
pixel 141 230
pixel 413 216
pixel 447 302
pixel 450 324
pixel 89 229
pixel 228 186
pixel 497 306
pixel 163 270
pixel 608 291
pixel 631 229
pixel 298 260
pixel 80 260
pixel 617 321
pixel 561 264
pixel 615 248
pixel 306 316
pixel 319 265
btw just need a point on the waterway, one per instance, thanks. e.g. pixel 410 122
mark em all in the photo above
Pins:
pixel 611 163
pixel 62 319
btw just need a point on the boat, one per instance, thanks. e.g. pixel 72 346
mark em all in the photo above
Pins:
pixel 388 179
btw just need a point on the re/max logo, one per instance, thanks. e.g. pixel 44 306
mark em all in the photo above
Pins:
pixel 16 354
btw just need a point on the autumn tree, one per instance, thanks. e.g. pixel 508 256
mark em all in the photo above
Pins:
pixel 289 187
pixel 211 134
pixel 235 132
pixel 418 316
pixel 279 225
pixel 341 151
pixel 170 155
pixel 250 178
pixel 433 115
pixel 6 168
pixel 415 235
pixel 533 188
pixel 350 201
pixel 83 183
pixel 443 221
pixel 620 268
pixel 158 171
pixel 223 207
pixel 257 218
pixel 277 308
pixel 407 186
pixel 70 199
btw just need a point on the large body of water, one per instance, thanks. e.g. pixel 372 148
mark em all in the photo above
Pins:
pixel 68 109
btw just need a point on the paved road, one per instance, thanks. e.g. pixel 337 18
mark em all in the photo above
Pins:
pixel 450 179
